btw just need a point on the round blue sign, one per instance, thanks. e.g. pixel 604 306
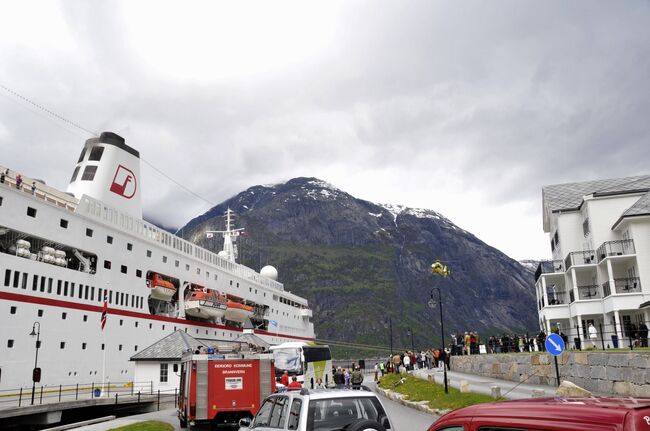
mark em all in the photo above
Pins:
pixel 554 344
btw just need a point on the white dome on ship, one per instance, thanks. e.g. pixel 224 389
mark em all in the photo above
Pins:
pixel 223 254
pixel 269 272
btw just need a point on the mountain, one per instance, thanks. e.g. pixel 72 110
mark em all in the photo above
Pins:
pixel 359 263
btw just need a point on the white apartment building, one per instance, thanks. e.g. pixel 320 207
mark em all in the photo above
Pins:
pixel 600 272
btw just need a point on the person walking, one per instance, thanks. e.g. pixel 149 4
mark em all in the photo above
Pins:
pixel 407 361
pixel 357 378
pixel 339 378
pixel 19 181
pixel 285 378
pixel 643 334
pixel 382 368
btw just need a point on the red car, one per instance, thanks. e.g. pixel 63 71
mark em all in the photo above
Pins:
pixel 551 414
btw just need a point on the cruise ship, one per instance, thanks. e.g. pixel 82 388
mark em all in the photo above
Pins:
pixel 66 257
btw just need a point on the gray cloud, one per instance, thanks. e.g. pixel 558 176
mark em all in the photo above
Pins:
pixel 466 108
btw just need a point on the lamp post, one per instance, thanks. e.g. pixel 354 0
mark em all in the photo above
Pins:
pixel 38 344
pixel 432 304
pixel 389 323
pixel 409 332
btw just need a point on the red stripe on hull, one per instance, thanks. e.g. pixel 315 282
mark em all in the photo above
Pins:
pixel 97 309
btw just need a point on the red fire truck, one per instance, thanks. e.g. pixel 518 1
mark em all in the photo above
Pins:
pixel 221 388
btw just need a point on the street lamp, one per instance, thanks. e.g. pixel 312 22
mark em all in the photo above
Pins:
pixel 409 332
pixel 388 323
pixel 432 304
pixel 36 373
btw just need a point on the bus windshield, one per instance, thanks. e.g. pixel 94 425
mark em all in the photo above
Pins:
pixel 288 359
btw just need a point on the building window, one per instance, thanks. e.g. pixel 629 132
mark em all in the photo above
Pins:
pixel 148 253
pixel 176 368
pixel 109 239
pixel 89 173
pixel 63 223
pixel 62 345
pixel 89 232
pixel 123 269
pixel 129 246
pixel 10 344
pixel 138 273
pixel 83 346
pixel 107 264
pixel 12 310
pixel 164 369
pixel 31 212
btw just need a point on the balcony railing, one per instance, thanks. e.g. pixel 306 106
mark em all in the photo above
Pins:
pixel 558 299
pixel 615 248
pixel 572 296
pixel 585 257
pixel 549 267
pixel 589 292
pixel 607 290
pixel 627 285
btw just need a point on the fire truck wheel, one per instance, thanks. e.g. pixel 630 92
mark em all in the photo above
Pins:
pixel 366 425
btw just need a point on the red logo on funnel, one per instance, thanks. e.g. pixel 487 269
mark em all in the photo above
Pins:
pixel 124 182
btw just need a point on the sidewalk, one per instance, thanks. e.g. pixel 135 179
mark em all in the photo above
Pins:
pixel 483 385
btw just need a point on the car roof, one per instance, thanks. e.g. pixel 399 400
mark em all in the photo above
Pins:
pixel 588 410
pixel 318 394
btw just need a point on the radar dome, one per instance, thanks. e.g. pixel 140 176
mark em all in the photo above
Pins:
pixel 269 272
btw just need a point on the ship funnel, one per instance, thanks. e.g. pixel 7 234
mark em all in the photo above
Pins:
pixel 109 170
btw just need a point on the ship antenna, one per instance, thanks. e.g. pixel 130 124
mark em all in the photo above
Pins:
pixel 229 237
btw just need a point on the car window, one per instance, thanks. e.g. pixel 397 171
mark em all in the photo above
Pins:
pixel 264 414
pixel 279 413
pixel 336 413
pixel 294 414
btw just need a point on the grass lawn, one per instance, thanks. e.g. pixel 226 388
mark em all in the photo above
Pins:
pixel 146 426
pixel 423 390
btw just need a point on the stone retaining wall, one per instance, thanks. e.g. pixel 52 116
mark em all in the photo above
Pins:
pixel 603 373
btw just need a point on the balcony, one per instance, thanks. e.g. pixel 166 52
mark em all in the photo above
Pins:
pixel 588 292
pixel 607 290
pixel 558 299
pixel 616 248
pixel 627 285
pixel 549 267
pixel 585 257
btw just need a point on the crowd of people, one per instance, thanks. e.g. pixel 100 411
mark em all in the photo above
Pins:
pixel 410 361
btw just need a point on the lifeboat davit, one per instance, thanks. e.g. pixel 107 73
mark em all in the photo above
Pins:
pixel 161 289
pixel 205 304
pixel 238 312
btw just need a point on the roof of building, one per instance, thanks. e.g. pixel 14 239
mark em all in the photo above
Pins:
pixel 641 207
pixel 170 348
pixel 570 196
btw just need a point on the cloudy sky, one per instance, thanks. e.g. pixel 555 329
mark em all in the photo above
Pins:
pixel 467 108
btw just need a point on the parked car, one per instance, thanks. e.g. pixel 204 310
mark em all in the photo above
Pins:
pixel 551 414
pixel 320 410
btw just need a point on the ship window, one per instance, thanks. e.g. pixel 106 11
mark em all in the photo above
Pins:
pixel 0 201
pixel 49 285
pixel 83 346
pixel 121 322
pixel 72 289
pixel 123 269
pixel 135 348
pixel 207 274
pixel 176 263
pixel 7 277
pixel 42 284
pixel 129 246
pixel 10 344
pixel 81 156
pixel 198 270
pixel 89 232
pixel 74 174
pixel 92 293
pixel 187 266
pixel 164 259
pixel 110 296
pixel 58 287
pixel 136 324
pixel 150 326
pixel 163 327
pixel 86 289
pixel 85 317
pixel 40 313
pixel 163 372
pixel 96 154
pixel 109 239
pixel 99 294
pixel 24 281
pixel 231 282
pixel 63 223
pixel 16 279
pixel 89 173
pixel 31 212
pixel 64 315
pixel 12 310
pixel 62 345
pixel 215 276
pixel 65 288
pixel 107 264
pixel 102 346
pixel 148 253
pixel 35 282
pixel 120 347
pixel 138 273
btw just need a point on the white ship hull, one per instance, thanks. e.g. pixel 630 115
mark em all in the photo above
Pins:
pixel 67 300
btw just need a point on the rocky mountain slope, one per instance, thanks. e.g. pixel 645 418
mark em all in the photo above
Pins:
pixel 359 263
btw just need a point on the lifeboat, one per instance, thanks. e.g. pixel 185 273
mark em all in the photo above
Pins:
pixel 205 304
pixel 161 289
pixel 238 312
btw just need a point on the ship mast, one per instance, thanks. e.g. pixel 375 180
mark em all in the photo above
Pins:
pixel 230 235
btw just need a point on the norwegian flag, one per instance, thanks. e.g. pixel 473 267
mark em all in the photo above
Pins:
pixel 104 309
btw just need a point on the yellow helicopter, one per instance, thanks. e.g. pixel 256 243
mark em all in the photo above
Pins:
pixel 441 269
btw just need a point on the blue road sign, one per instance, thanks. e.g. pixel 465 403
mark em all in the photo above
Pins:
pixel 554 344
